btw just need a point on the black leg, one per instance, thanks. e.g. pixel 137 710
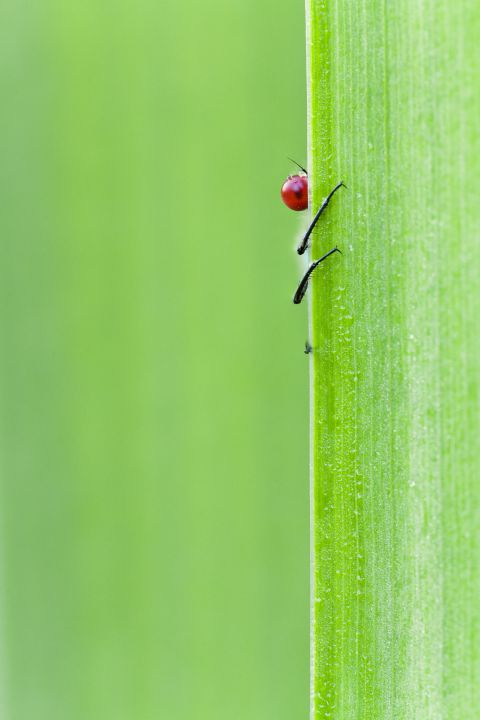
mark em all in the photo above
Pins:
pixel 304 244
pixel 302 288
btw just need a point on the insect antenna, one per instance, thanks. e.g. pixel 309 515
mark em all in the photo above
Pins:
pixel 298 165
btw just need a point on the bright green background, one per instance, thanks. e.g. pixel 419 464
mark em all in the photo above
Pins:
pixel 154 540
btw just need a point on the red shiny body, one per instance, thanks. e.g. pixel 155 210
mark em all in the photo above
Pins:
pixel 295 192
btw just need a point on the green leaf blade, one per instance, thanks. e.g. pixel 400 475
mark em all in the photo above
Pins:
pixel 395 369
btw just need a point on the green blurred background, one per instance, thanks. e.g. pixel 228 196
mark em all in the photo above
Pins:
pixel 154 491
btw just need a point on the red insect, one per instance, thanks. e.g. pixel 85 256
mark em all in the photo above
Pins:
pixel 295 196
pixel 295 192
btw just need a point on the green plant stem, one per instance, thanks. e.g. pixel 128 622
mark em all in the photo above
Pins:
pixel 394 108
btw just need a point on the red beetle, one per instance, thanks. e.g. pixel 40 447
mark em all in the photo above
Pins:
pixel 295 196
pixel 295 192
